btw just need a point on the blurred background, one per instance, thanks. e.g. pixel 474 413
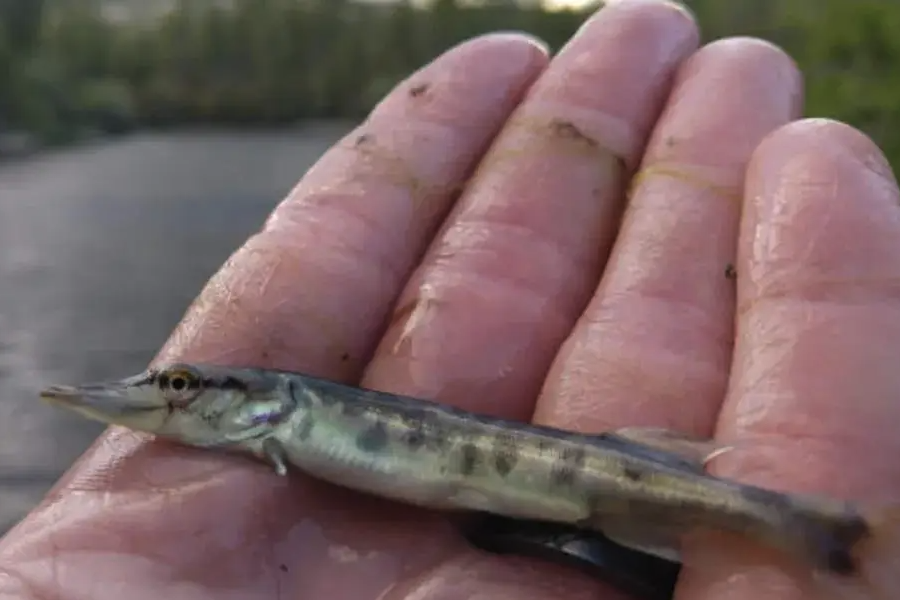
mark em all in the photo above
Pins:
pixel 142 140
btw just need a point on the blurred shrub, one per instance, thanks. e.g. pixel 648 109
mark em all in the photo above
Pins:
pixel 38 99
pixel 106 104
pixel 76 64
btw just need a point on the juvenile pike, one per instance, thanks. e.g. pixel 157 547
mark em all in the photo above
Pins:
pixel 644 488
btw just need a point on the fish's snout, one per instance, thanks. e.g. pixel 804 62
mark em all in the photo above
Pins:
pixel 106 401
pixel 59 391
pixel 85 392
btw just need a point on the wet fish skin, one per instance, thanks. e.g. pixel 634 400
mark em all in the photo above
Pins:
pixel 644 494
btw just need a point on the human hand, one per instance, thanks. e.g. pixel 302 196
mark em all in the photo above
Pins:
pixel 357 277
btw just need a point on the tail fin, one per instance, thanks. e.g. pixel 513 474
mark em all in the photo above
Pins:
pixel 874 558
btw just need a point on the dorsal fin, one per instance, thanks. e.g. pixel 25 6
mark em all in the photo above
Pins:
pixel 690 449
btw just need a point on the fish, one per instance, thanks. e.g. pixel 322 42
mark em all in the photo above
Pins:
pixel 641 487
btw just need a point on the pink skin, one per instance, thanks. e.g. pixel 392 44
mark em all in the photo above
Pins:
pixel 358 276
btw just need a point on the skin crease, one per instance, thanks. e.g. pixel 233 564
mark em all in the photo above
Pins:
pixel 358 276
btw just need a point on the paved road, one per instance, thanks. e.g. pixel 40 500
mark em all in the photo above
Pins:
pixel 101 250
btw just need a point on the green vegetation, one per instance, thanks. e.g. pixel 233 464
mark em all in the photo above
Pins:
pixel 68 67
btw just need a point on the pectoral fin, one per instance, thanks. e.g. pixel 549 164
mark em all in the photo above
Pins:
pixel 274 453
pixel 694 450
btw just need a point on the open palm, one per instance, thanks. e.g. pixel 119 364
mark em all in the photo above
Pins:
pixel 471 242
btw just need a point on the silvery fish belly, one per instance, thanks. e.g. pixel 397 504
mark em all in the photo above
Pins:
pixel 432 457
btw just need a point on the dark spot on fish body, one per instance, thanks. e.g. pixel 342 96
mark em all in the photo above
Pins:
pixel 567 466
pixel 305 427
pixel 469 457
pixel 506 453
pixel 632 472
pixel 414 437
pixel 374 438
pixel 562 475
pixel 422 429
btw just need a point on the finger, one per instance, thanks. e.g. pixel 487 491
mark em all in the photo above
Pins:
pixel 310 292
pixel 815 370
pixel 357 223
pixel 500 288
pixel 652 347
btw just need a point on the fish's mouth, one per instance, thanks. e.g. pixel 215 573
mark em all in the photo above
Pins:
pixel 107 402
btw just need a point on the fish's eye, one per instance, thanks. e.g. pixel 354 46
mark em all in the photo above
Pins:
pixel 180 384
